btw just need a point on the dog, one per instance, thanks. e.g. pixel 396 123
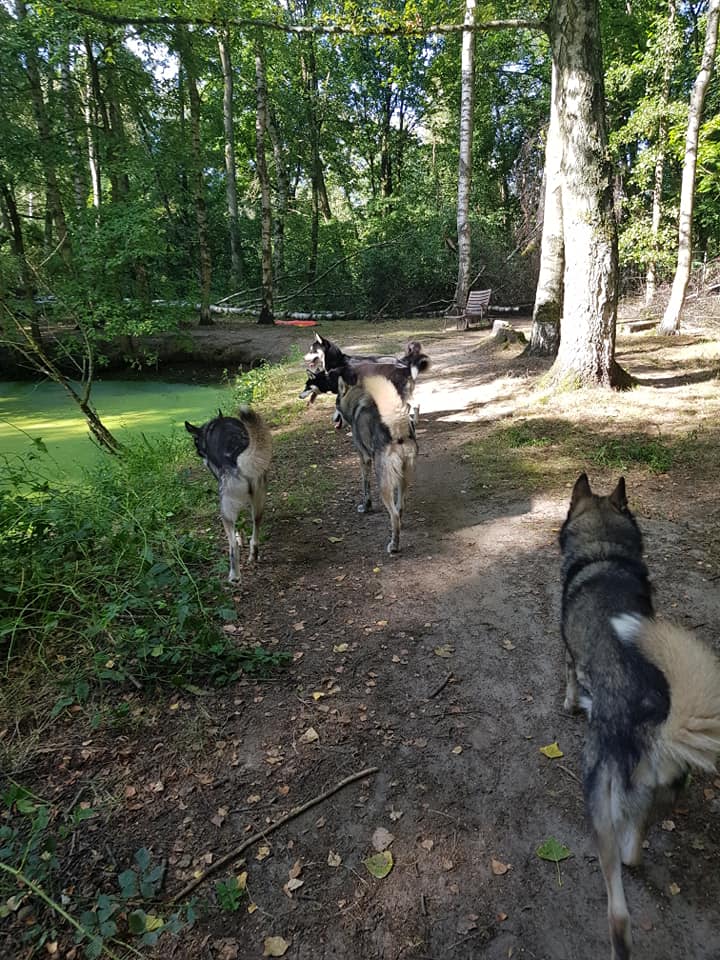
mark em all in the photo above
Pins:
pixel 384 437
pixel 650 690
pixel 237 452
pixel 326 363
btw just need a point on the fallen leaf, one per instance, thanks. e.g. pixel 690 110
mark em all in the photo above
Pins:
pixel 252 907
pixel 292 885
pixel 444 651
pixel 340 648
pixel 310 735
pixel 499 868
pixel 376 569
pixel 553 850
pixel 300 625
pixel 275 947
pixel 674 889
pixel 263 853
pixel 447 864
pixel 380 864
pixel 335 539
pixel 708 793
pixel 456 750
pixel 508 644
pixel 254 798
pixel 552 750
pixel 427 844
pixel 381 839
pixel 668 825
pixel 242 880
pixel 318 695
pixel 334 859
pixel 295 870
pixel 501 917
pixel 382 623
pixel 395 815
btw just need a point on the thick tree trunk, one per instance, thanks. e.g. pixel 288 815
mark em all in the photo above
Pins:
pixel 467 103
pixel 230 174
pixel 92 110
pixel 547 312
pixel 72 123
pixel 198 180
pixel 266 309
pixel 386 169
pixel 671 319
pixel 669 51
pixel 17 242
pixel 586 355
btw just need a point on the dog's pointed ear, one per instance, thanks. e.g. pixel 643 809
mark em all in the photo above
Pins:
pixel 341 387
pixel 191 429
pixel 618 498
pixel 581 490
pixel 318 338
pixel 220 413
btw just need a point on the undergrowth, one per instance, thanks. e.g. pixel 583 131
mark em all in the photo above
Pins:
pixel 119 579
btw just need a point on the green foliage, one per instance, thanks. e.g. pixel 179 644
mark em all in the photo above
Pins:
pixel 36 840
pixel 115 581
pixel 230 894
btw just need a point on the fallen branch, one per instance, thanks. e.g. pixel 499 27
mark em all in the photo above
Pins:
pixel 261 834
pixel 440 687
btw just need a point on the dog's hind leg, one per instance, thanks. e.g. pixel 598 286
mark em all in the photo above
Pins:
pixel 229 513
pixel 257 506
pixel 572 698
pixel 365 471
pixel 390 497
pixel 601 804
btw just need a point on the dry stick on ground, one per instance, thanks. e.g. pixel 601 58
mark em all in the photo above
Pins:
pixel 261 834
pixel 441 686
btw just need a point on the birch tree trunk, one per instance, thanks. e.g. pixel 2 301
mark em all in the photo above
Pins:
pixel 467 104
pixel 266 309
pixel 669 51
pixel 586 354
pixel 198 180
pixel 671 319
pixel 547 312
pixel 230 174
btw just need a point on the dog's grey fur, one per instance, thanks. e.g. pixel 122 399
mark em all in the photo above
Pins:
pixel 237 451
pixel 649 718
pixel 384 436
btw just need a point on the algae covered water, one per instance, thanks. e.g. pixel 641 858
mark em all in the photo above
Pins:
pixel 43 412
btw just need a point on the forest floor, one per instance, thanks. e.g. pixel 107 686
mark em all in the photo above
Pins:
pixel 442 668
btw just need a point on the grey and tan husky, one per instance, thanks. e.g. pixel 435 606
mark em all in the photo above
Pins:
pixel 651 690
pixel 237 452
pixel 384 437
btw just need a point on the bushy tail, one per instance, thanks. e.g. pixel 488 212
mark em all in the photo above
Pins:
pixel 691 732
pixel 255 459
pixel 394 411
pixel 419 361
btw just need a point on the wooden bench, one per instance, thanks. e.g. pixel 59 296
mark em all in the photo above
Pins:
pixel 476 310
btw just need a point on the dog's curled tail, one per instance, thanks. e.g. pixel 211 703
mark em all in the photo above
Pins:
pixel 394 411
pixel 691 732
pixel 255 459
pixel 419 361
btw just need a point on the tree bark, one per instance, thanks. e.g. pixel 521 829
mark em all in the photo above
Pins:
pixel 47 144
pixel 669 51
pixel 198 180
pixel 230 172
pixel 586 354
pixel 467 103
pixel 671 319
pixel 17 242
pixel 547 312
pixel 266 309
pixel 282 191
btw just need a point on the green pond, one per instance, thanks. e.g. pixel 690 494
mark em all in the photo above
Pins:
pixel 128 408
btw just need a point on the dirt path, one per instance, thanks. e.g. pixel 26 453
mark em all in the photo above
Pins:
pixel 443 668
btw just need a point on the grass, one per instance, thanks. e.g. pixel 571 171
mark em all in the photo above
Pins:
pixel 544 452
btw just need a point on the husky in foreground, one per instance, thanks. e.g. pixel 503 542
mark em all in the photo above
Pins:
pixel 384 436
pixel 237 452
pixel 651 690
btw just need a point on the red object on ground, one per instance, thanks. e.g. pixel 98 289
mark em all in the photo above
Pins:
pixel 297 323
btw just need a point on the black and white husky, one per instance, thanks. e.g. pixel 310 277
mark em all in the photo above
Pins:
pixel 651 690
pixel 384 437
pixel 237 452
pixel 326 363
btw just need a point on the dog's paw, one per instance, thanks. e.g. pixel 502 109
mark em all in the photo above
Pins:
pixel 571 706
pixel 233 577
pixel 393 547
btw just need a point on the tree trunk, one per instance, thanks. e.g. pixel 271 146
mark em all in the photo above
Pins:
pixel 320 203
pixel 386 170
pixel 69 103
pixel 230 174
pixel 47 144
pixel 198 180
pixel 668 54
pixel 266 309
pixel 586 354
pixel 467 103
pixel 671 320
pixel 17 242
pixel 282 190
pixel 545 332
